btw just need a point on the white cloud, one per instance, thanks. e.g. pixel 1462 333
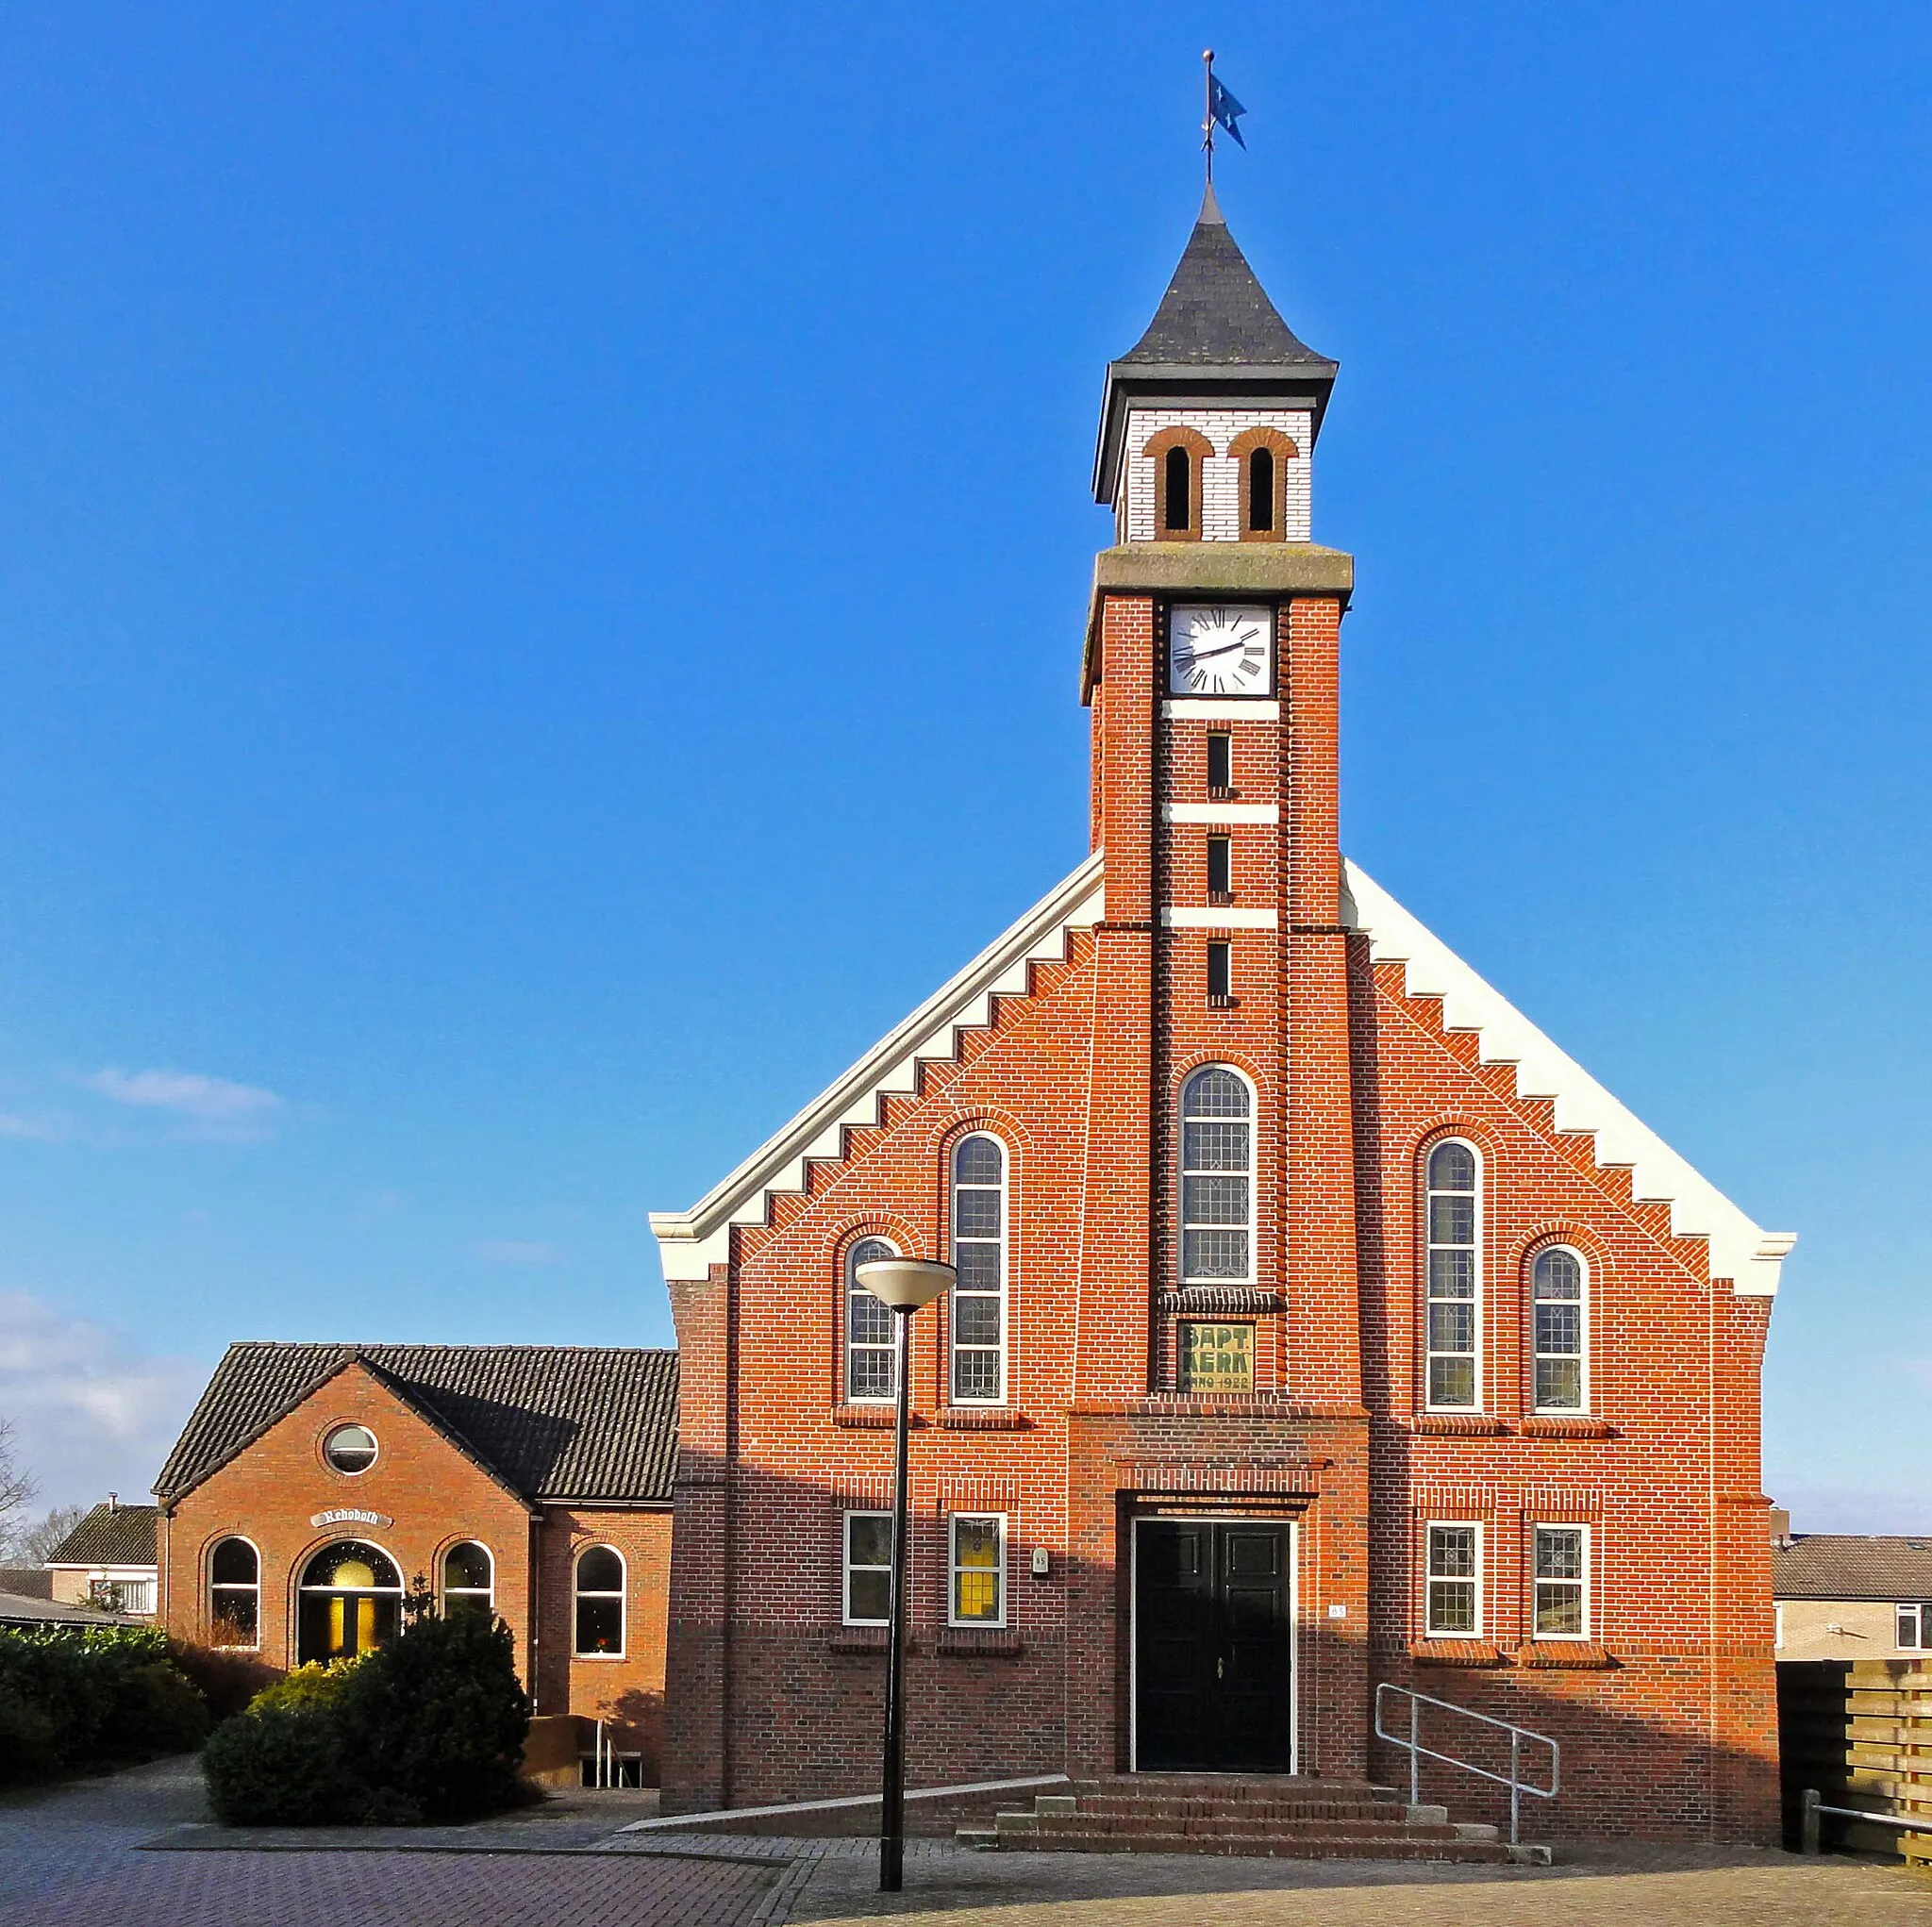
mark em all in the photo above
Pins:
pixel 36 1130
pixel 516 1251
pixel 210 1107
pixel 91 1414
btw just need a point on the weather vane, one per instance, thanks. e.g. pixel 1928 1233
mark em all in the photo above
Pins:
pixel 1224 110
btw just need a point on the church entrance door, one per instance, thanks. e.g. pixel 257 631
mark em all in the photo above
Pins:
pixel 1213 1645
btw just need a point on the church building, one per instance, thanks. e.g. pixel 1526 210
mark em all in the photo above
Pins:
pixel 1319 1323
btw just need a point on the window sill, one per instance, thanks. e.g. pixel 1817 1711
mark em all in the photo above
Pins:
pixel 1220 896
pixel 1454 1652
pixel 1565 1425
pixel 1219 1298
pixel 598 1658
pixel 876 1418
pixel 982 1419
pixel 1565 1656
pixel 980 1642
pixel 1219 1003
pixel 1457 1426
pixel 1222 793
pixel 860 1640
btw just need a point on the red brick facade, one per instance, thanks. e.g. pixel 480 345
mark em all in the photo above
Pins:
pixel 1665 1711
pixel 426 1495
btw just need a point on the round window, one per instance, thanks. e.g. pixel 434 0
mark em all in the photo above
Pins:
pixel 350 1448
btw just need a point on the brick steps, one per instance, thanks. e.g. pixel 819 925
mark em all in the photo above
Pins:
pixel 1274 1818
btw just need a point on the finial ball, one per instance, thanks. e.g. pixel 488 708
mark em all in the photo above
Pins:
pixel 1207 53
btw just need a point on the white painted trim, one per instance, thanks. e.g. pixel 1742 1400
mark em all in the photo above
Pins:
pixel 1216 918
pixel 1740 1250
pixel 953 1569
pixel 1230 813
pixel 1586 1583
pixel 690 1242
pixel 1480 1577
pixel 1219 709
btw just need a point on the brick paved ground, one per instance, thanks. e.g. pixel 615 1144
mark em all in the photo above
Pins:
pixel 74 1853
pixel 77 1852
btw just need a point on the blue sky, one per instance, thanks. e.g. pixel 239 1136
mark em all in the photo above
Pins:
pixel 491 498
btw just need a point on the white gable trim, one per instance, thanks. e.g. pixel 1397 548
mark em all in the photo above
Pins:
pixel 690 1242
pixel 1739 1251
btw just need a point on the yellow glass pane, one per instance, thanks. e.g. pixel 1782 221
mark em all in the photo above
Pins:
pixel 976 1596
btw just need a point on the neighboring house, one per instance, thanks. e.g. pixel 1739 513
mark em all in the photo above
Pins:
pixel 1319 1322
pixel 26 1611
pixel 26 1582
pixel 314 1483
pixel 1845 1596
pixel 108 1560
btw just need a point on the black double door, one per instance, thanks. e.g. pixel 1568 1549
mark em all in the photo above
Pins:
pixel 1214 1685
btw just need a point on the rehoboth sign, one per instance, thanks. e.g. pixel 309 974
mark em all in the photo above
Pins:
pixel 350 1514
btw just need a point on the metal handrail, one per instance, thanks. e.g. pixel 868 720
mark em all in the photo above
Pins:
pixel 1811 1804
pixel 1513 1780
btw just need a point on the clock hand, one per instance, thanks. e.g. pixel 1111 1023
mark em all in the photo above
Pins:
pixel 1202 655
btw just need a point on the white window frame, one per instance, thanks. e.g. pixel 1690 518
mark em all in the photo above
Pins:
pixel 1430 1246
pixel 890 1347
pixel 1584 1583
pixel 953 1569
pixel 1920 1614
pixel 231 1586
pixel 1002 1352
pixel 846 1568
pixel 1536 1354
pixel 1253 1122
pixel 485 1593
pixel 368 1432
pixel 1476 1580
pixel 621 1596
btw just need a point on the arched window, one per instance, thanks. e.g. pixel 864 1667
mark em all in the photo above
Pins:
pixel 468 1579
pixel 1177 456
pixel 1217 1178
pixel 1454 1213
pixel 1259 504
pixel 979 1252
pixel 1558 1293
pixel 350 1600
pixel 234 1588
pixel 870 1341
pixel 1176 491
pixel 600 1604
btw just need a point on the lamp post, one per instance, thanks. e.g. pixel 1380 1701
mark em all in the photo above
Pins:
pixel 902 1284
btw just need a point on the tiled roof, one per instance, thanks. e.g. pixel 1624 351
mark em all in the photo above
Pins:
pixel 17 1609
pixel 1826 1564
pixel 110 1536
pixel 551 1421
pixel 28 1581
pixel 1216 314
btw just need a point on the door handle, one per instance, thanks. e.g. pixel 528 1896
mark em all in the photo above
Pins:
pixel 1220 1668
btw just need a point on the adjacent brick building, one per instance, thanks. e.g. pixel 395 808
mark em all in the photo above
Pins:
pixel 1319 1322
pixel 313 1484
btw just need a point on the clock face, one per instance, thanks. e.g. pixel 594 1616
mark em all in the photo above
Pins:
pixel 1220 650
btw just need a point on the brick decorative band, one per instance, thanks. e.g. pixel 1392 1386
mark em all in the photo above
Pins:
pixel 1563 1655
pixel 1455 1652
pixel 1215 1299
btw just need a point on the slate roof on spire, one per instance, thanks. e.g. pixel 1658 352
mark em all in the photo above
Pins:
pixel 1215 313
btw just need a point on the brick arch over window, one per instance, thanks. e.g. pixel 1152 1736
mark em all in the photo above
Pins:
pixel 1263 456
pixel 1179 454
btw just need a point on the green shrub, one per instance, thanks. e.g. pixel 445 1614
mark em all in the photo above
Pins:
pixel 97 1696
pixel 431 1727
pixel 278 1767
pixel 29 1749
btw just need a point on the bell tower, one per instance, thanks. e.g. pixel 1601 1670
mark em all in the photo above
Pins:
pixel 1211 668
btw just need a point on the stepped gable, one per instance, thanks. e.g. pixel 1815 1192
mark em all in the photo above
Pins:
pixel 553 1423
pixel 946 1032
pixel 1600 1135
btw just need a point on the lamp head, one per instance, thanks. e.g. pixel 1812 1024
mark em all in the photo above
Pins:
pixel 904 1284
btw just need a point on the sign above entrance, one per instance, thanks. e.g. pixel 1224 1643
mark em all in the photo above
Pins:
pixel 350 1514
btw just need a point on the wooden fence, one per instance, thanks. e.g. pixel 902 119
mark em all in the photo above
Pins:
pixel 1859 1731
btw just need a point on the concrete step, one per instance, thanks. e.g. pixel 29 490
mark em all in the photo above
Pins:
pixel 1278 1846
pixel 1211 1825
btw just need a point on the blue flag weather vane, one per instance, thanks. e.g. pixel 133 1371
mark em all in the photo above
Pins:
pixel 1224 110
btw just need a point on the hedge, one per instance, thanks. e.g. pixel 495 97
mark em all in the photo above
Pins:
pixel 73 1699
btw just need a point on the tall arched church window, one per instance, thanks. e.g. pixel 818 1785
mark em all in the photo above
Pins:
pixel 1560 1334
pixel 1452 1213
pixel 1217 1178
pixel 600 1602
pixel 871 1371
pixel 1177 456
pixel 234 1595
pixel 979 1252
pixel 1263 455
pixel 468 1579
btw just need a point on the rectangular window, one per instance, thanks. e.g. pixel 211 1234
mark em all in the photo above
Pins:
pixel 1220 971
pixel 1454 1608
pixel 1217 1358
pixel 1220 866
pixel 868 1587
pixel 1562 1582
pixel 1914 1626
pixel 1220 761
pixel 979 1569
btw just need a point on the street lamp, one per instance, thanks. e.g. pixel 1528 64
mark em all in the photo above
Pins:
pixel 901 1285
